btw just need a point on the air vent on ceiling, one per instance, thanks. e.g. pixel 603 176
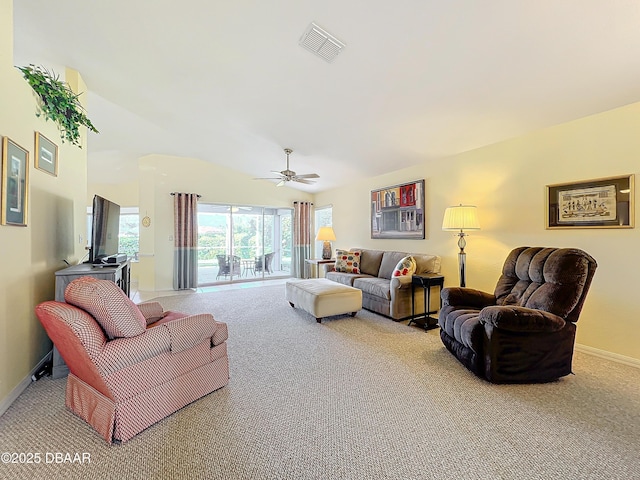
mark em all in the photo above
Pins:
pixel 321 42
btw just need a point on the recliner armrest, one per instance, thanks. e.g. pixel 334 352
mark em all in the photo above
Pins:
pixel 521 319
pixel 151 311
pixel 189 331
pixel 123 352
pixel 467 297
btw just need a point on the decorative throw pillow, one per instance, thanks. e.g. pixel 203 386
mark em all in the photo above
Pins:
pixel 348 262
pixel 108 304
pixel 404 270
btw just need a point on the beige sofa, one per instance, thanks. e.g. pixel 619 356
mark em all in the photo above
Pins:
pixel 381 293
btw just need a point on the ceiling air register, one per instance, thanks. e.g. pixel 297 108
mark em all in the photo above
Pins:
pixel 321 42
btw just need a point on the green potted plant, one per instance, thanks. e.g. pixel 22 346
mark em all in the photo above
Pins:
pixel 57 102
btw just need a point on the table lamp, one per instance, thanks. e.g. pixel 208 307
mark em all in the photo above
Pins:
pixel 326 235
pixel 461 217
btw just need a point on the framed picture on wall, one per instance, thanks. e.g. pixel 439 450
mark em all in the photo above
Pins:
pixel 15 183
pixel 600 203
pixel 398 211
pixel 46 155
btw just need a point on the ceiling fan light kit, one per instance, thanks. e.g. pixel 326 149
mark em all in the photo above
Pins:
pixel 288 175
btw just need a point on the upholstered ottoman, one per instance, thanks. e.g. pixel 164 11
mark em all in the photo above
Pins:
pixel 322 298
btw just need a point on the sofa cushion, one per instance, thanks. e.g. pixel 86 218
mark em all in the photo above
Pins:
pixel 370 261
pixel 389 262
pixel 347 261
pixel 378 287
pixel 405 269
pixel 426 263
pixel 344 278
pixel 108 304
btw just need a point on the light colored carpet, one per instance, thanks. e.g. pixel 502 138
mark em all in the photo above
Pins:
pixel 352 398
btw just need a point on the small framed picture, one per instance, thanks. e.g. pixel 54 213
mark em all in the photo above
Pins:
pixel 46 157
pixel 600 203
pixel 15 183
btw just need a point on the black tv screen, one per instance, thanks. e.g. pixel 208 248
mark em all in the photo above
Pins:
pixel 105 228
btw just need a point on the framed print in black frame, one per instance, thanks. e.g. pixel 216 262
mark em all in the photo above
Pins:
pixel 599 203
pixel 15 183
pixel 46 155
pixel 398 211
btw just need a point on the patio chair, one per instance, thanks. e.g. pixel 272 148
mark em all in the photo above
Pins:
pixel 263 263
pixel 228 265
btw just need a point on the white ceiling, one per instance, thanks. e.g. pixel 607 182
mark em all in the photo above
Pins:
pixel 227 82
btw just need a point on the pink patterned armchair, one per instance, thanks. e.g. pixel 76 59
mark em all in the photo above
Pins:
pixel 131 365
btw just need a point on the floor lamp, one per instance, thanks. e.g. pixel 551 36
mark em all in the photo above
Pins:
pixel 461 217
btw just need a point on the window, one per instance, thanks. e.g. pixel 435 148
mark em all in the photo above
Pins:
pixel 323 218
pixel 251 234
pixel 129 238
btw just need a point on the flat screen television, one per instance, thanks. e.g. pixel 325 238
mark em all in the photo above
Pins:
pixel 105 228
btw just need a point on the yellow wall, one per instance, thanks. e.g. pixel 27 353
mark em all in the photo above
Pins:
pixel 124 194
pixel 55 222
pixel 507 183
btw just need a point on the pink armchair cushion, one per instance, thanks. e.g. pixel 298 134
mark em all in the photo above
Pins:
pixel 151 311
pixel 190 331
pixel 108 304
pixel 124 352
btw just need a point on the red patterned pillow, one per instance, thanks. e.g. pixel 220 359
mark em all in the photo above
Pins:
pixel 405 269
pixel 348 262
pixel 108 304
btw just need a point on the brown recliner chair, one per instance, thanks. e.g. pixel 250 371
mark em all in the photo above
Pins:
pixel 525 331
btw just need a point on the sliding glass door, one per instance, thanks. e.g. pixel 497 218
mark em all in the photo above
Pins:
pixel 243 243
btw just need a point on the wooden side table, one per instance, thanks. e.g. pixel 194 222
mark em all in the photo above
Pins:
pixel 426 281
pixel 317 262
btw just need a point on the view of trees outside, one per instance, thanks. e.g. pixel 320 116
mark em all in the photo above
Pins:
pixel 129 237
pixel 254 232
pixel 213 235
pixel 287 238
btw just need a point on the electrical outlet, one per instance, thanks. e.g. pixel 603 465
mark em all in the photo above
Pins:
pixel 80 239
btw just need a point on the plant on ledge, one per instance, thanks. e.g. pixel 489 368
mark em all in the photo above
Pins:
pixel 57 102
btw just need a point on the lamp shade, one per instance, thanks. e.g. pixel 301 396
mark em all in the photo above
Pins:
pixel 461 217
pixel 325 234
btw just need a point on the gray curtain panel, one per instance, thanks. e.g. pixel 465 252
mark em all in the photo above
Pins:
pixel 301 237
pixel 185 257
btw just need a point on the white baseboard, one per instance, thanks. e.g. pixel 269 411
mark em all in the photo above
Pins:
pixel 634 362
pixel 22 386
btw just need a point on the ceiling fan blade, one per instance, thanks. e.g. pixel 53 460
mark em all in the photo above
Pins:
pixel 308 175
pixel 281 183
pixel 279 173
pixel 268 178
pixel 302 180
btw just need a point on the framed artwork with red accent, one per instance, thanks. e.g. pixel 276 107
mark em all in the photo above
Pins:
pixel 398 211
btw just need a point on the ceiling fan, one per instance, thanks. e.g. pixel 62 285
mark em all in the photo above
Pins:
pixel 289 175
